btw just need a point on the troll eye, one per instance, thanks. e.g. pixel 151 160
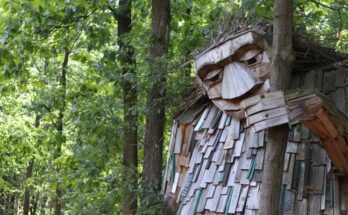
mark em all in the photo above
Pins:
pixel 251 61
pixel 213 77
pixel 250 57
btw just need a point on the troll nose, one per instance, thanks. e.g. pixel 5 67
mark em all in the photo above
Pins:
pixel 238 79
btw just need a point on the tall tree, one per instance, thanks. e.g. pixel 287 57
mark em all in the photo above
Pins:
pixel 280 79
pixel 155 117
pixel 60 127
pixel 130 113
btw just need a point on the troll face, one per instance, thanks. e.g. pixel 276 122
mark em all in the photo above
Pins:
pixel 236 68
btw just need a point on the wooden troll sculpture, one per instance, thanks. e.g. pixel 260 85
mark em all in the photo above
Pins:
pixel 216 149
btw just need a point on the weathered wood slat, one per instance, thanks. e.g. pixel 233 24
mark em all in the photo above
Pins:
pixel 336 195
pixel 270 123
pixel 314 204
pixel 265 115
pixel 235 197
pixel 265 105
pixel 201 119
pixel 242 198
pixel 330 127
pixel 179 139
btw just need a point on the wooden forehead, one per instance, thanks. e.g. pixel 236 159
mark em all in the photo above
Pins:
pixel 224 50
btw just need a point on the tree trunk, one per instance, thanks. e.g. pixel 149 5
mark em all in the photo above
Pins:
pixel 277 136
pixel 155 118
pixel 26 203
pixel 60 128
pixel 130 124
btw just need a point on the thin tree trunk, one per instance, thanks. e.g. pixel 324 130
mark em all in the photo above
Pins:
pixel 29 173
pixel 277 136
pixel 155 118
pixel 26 203
pixel 130 124
pixel 59 193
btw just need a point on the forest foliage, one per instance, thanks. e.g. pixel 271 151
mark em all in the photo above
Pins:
pixel 85 159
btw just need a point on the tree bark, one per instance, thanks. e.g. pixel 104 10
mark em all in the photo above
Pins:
pixel 60 128
pixel 155 117
pixel 277 136
pixel 130 112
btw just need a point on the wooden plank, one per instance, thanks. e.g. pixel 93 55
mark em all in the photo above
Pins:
pixel 336 195
pixel 186 140
pixel 244 178
pixel 261 138
pixel 202 201
pixel 298 94
pixel 289 202
pixel 215 122
pixel 238 146
pixel 250 101
pixel 286 162
pixel 211 190
pixel 290 171
pixel 317 128
pixel 224 135
pixel 235 129
pixel 330 127
pixel 201 119
pixel 229 140
pixel 317 175
pixel 319 156
pixel 265 105
pixel 209 175
pixel 233 173
pixel 252 200
pixel 172 138
pixel 179 139
pixel 252 138
pixel 301 183
pixel 270 123
pixel 242 198
pixel 260 158
pixel 175 184
pixel 265 115
pixel 323 196
pixel 222 203
pixel 235 197
pixel 223 121
pixel 295 175
pixel 301 207
pixel 210 117
pixel 291 147
pixel 336 155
